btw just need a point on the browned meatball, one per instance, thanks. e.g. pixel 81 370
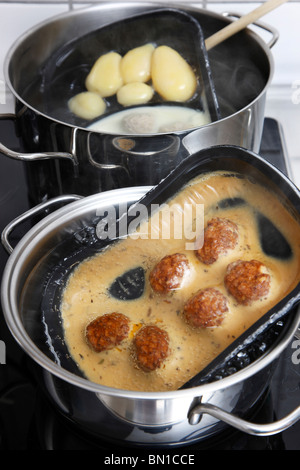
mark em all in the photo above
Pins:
pixel 151 347
pixel 107 331
pixel 220 235
pixel 168 274
pixel 247 281
pixel 206 309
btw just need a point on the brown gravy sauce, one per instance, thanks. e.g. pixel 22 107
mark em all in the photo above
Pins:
pixel 86 297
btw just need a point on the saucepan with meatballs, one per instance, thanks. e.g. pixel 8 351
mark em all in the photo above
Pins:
pixel 70 74
pixel 154 316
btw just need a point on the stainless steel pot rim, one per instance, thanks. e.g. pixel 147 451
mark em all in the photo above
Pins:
pixel 11 314
pixel 75 13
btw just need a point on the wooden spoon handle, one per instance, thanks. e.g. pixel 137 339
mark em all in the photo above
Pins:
pixel 241 23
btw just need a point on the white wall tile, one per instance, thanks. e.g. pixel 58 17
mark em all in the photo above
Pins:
pixel 15 19
pixel 288 114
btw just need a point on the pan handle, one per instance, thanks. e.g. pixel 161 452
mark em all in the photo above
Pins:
pixel 242 425
pixel 30 213
pixel 259 24
pixel 30 157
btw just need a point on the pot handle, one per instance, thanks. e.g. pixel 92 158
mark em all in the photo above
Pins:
pixel 259 24
pixel 30 157
pixel 250 428
pixel 30 213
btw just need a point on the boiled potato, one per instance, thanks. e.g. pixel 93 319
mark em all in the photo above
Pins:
pixel 134 93
pixel 87 105
pixel 105 76
pixel 172 76
pixel 136 64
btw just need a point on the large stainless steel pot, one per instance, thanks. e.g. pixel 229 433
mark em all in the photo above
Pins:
pixel 63 159
pixel 178 417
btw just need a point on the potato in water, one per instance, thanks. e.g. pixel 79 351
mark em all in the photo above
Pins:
pixel 172 76
pixel 134 79
pixel 134 93
pixel 105 76
pixel 136 64
pixel 87 105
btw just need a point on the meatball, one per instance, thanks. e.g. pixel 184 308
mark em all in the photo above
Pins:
pixel 247 281
pixel 220 235
pixel 139 123
pixel 206 309
pixel 107 331
pixel 168 274
pixel 151 347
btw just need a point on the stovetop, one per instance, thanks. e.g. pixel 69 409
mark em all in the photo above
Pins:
pixel 28 421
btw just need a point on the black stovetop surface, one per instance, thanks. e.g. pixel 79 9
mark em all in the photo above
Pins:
pixel 28 421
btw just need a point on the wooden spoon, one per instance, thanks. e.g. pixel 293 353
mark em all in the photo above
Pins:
pixel 241 23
